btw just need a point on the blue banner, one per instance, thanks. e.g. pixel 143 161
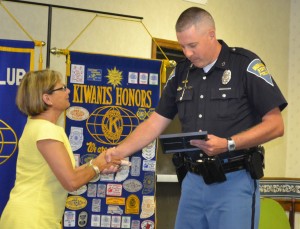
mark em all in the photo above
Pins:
pixel 16 58
pixel 109 97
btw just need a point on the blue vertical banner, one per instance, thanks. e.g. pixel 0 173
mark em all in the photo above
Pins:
pixel 16 58
pixel 110 96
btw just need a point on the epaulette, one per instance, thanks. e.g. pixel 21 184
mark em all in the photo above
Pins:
pixel 243 52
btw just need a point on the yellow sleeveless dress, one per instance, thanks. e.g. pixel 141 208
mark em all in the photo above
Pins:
pixel 38 199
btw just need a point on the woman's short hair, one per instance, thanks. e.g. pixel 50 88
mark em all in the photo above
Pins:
pixel 31 89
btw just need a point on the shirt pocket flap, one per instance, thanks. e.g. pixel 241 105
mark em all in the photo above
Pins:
pixel 184 95
pixel 223 94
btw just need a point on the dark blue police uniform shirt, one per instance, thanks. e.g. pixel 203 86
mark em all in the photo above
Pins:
pixel 221 108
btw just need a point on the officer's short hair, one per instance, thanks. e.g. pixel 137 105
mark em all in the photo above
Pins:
pixel 193 16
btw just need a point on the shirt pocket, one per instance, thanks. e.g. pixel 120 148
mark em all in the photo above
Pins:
pixel 184 101
pixel 225 103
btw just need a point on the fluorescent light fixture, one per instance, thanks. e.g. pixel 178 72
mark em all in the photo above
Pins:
pixel 198 1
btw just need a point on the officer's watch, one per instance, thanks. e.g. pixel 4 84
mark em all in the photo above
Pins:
pixel 230 144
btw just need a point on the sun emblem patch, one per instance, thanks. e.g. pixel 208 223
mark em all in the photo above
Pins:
pixel 114 77
pixel 256 67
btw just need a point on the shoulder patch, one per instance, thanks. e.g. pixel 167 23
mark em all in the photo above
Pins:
pixel 257 68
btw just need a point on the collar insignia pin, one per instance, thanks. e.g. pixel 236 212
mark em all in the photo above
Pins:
pixel 226 77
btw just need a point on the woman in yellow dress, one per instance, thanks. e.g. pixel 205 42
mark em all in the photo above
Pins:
pixel 45 170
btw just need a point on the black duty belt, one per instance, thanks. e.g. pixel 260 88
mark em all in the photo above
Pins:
pixel 228 165
pixel 213 169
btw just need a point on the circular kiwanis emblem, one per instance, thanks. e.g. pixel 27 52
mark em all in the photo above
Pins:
pixel 8 142
pixel 111 125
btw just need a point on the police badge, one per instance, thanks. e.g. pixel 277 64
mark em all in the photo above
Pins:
pixel 226 77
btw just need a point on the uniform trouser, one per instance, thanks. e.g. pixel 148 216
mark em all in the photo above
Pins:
pixel 226 205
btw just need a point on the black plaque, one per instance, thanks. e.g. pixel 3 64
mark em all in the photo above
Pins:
pixel 177 143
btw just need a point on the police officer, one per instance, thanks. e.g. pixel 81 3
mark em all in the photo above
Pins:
pixel 229 93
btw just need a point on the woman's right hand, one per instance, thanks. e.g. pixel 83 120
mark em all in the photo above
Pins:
pixel 104 166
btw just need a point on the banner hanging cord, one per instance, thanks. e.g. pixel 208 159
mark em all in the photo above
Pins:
pixel 36 42
pixel 82 31
pixel 166 62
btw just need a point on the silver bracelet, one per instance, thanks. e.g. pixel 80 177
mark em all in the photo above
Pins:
pixel 95 168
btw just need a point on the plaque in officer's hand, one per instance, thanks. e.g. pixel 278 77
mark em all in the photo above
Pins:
pixel 177 143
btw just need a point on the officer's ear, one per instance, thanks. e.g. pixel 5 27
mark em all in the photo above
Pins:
pixel 211 34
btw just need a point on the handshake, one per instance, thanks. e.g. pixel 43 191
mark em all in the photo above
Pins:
pixel 108 162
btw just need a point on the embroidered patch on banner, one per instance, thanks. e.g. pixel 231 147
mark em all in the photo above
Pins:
pixel 82 219
pixel 92 190
pixel 95 220
pixel 147 224
pixel 116 221
pixel 96 205
pixel 256 67
pixel 148 207
pixel 122 173
pixel 77 113
pixel 135 224
pixel 105 221
pixel 126 222
pixel 132 185
pixel 76 202
pixel 76 137
pixel 148 152
pixel 69 218
pixel 132 204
